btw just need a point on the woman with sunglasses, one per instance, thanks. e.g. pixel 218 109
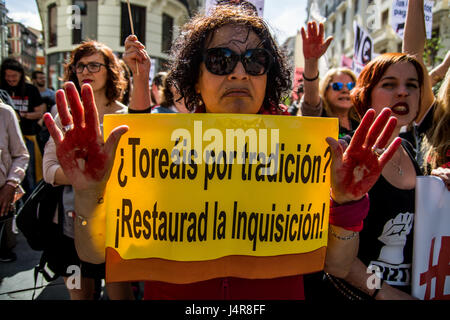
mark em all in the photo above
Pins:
pixel 95 64
pixel 330 98
pixel 226 62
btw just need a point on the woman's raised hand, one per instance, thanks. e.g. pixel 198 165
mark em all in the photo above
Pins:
pixel 82 153
pixel 135 56
pixel 355 171
pixel 314 45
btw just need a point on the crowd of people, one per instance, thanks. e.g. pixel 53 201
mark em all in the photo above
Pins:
pixel 228 62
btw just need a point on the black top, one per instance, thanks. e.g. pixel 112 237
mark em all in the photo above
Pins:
pixel 26 102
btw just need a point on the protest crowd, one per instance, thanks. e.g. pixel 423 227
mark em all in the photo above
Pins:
pixel 391 129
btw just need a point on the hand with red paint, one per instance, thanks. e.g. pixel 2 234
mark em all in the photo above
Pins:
pixel 355 170
pixel 82 153
pixel 313 44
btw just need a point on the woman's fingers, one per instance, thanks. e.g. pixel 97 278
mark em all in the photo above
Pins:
pixel 387 133
pixel 337 151
pixel 377 127
pixel 361 132
pixel 113 139
pixel 75 104
pixel 132 41
pixel 387 155
pixel 303 32
pixel 63 110
pixel 90 110
pixel 53 129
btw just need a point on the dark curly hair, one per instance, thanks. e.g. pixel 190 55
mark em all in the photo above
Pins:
pixel 115 82
pixel 187 53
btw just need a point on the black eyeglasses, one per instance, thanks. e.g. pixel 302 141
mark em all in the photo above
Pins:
pixel 222 61
pixel 337 86
pixel 92 67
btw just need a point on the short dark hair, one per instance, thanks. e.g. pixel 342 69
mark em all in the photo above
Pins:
pixel 11 64
pixel 35 73
pixel 187 53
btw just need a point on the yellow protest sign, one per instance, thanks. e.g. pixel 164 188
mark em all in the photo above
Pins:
pixel 201 187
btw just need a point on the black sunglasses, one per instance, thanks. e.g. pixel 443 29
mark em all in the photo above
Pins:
pixel 222 61
pixel 337 86
pixel 93 67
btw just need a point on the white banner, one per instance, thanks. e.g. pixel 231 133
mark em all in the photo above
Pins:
pixel 431 257
pixel 259 5
pixel 398 16
pixel 363 48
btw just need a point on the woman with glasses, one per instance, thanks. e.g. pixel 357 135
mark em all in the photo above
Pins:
pixel 330 98
pixel 226 62
pixel 95 64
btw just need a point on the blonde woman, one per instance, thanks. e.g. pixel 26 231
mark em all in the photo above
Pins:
pixel 330 98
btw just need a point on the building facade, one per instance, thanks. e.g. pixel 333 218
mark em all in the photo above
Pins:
pixel 375 17
pixel 66 23
pixel 4 45
pixel 22 45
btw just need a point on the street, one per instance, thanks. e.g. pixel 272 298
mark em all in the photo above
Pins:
pixel 17 278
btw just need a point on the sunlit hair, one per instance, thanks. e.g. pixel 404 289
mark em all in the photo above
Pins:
pixel 187 53
pixel 372 74
pixel 324 86
pixel 115 80
pixel 437 140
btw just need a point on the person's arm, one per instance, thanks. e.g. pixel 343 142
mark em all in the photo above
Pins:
pixel 438 73
pixel 19 156
pixel 36 114
pixel 342 249
pixel 137 59
pixel 314 47
pixel 18 150
pixel 414 38
pixel 363 279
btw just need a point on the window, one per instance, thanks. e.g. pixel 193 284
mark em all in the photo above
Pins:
pixel 167 32
pixel 385 18
pixel 344 17
pixel 52 35
pixel 138 15
pixel 84 27
pixel 356 5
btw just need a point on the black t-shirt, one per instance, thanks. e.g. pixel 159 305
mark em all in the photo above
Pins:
pixel 26 101
pixel 386 241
